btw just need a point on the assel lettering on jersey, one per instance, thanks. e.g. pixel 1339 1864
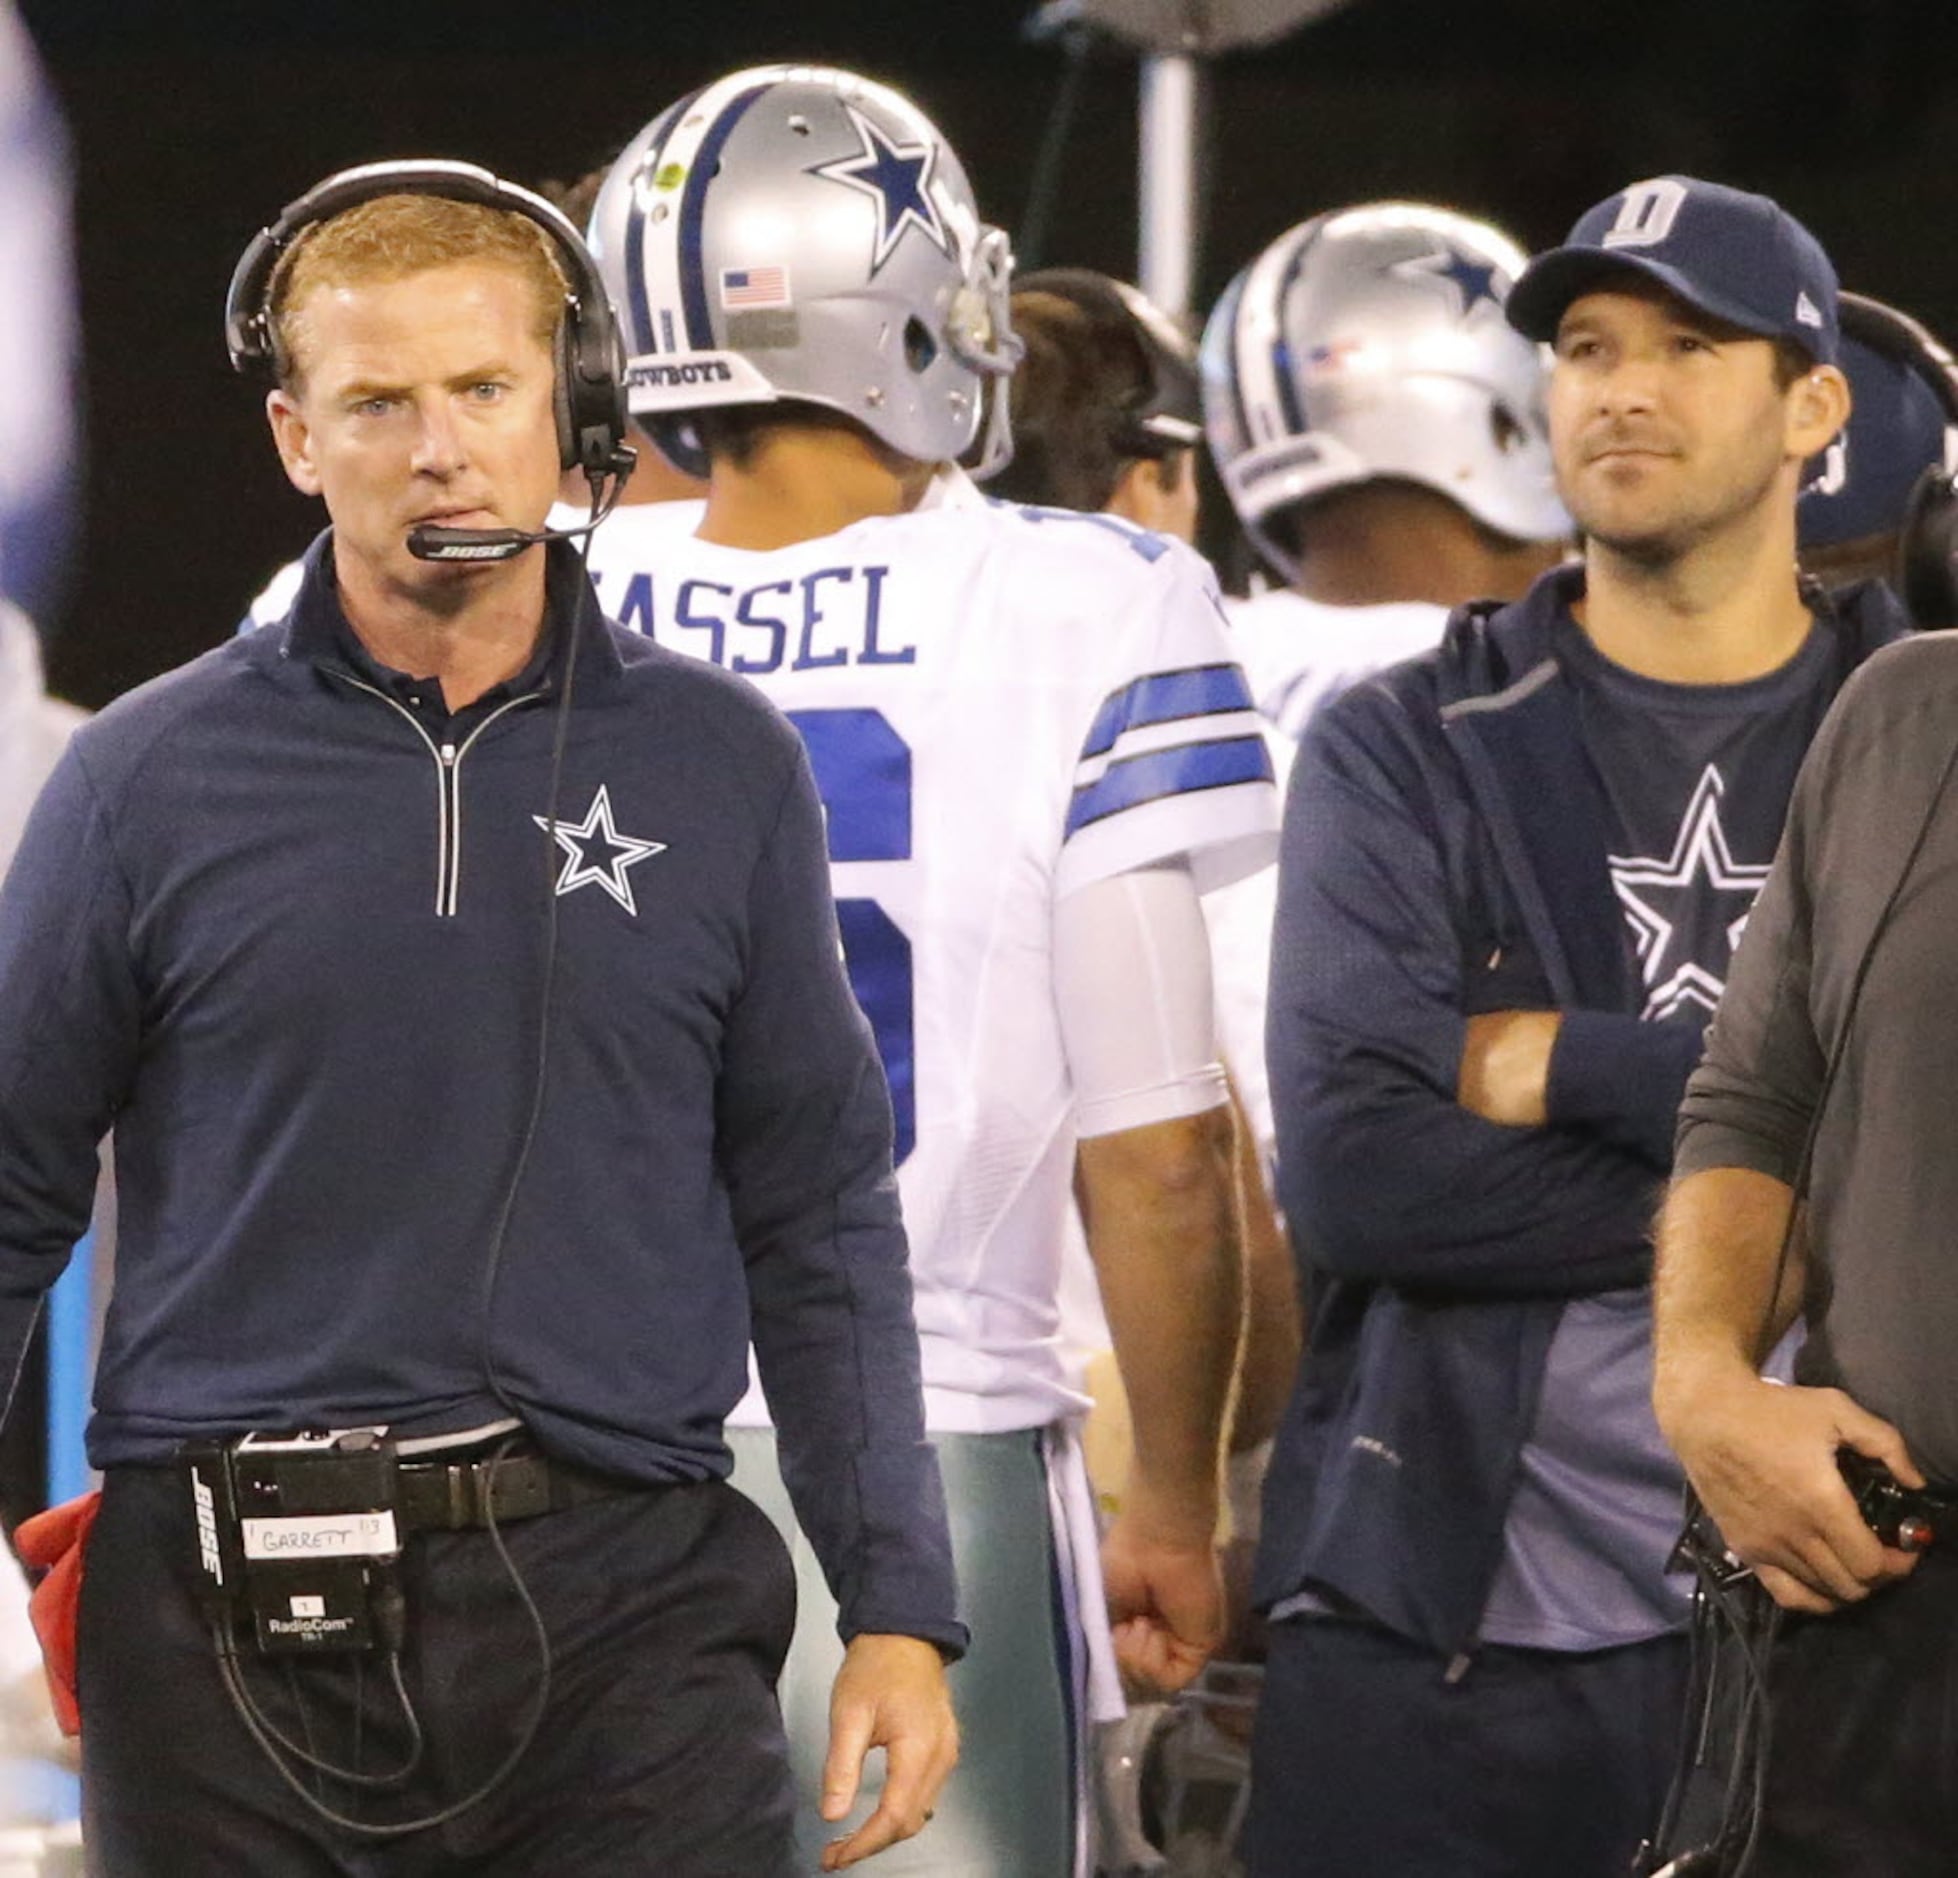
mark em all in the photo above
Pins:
pixel 1688 909
pixel 830 617
pixel 596 854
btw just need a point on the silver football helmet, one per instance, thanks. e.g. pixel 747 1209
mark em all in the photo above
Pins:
pixel 799 232
pixel 1370 343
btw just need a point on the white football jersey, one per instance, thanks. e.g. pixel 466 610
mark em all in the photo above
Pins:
pixel 1297 653
pixel 1002 705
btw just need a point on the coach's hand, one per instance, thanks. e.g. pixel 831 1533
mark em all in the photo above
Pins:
pixel 1165 1599
pixel 1763 1459
pixel 889 1694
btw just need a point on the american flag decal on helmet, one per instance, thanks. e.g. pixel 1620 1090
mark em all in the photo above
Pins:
pixel 755 287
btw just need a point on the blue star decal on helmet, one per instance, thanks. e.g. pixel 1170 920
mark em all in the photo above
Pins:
pixel 897 177
pixel 1466 281
pixel 596 854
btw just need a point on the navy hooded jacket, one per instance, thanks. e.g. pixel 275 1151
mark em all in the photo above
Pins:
pixel 1444 855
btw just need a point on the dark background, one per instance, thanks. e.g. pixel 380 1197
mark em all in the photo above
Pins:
pixel 194 122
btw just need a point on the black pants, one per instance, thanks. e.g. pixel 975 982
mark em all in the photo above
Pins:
pixel 1863 1767
pixel 1367 1763
pixel 660 1754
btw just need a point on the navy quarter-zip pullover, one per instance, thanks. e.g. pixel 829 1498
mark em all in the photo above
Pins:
pixel 291 945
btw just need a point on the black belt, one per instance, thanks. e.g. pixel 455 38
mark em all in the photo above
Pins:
pixel 456 1496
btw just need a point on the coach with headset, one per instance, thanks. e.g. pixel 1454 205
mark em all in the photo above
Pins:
pixel 459 974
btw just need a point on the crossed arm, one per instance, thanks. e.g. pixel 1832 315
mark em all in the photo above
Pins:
pixel 1413 1145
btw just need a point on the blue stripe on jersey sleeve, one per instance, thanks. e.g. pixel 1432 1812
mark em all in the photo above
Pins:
pixel 1162 698
pixel 1183 769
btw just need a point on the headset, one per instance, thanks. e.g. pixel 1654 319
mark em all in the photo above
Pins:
pixel 1927 541
pixel 1165 413
pixel 590 375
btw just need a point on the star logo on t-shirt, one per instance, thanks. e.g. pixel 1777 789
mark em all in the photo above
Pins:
pixel 596 854
pixel 897 177
pixel 1688 911
pixel 1466 281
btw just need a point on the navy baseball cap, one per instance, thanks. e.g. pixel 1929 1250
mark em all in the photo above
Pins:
pixel 1739 257
pixel 1897 426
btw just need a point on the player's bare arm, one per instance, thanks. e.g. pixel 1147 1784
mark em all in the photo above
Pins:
pixel 1162 1231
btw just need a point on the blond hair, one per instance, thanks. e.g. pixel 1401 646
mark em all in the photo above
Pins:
pixel 391 237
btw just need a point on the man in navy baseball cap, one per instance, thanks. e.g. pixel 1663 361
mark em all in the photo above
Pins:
pixel 1739 257
pixel 1472 1551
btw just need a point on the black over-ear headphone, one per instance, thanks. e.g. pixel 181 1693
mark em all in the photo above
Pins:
pixel 591 413
pixel 1166 412
pixel 1927 539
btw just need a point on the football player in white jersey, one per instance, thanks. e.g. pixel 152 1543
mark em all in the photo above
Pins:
pixel 1036 752
pixel 1379 429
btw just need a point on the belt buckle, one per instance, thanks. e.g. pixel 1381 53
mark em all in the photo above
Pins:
pixel 459 1479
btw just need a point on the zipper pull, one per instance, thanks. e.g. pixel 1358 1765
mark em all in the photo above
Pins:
pixel 448 754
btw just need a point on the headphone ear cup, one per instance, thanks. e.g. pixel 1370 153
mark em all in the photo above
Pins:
pixel 564 395
pixel 1927 551
pixel 592 424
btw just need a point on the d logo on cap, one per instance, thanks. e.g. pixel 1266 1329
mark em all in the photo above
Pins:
pixel 1646 213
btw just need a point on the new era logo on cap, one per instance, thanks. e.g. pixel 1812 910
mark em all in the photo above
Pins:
pixel 1739 257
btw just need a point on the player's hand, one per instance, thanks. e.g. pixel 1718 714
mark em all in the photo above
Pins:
pixel 1165 1601
pixel 1505 1074
pixel 889 1694
pixel 1763 1459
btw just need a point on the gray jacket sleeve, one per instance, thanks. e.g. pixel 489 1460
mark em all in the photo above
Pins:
pixel 1752 1099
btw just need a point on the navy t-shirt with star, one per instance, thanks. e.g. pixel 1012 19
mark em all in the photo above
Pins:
pixel 1696 780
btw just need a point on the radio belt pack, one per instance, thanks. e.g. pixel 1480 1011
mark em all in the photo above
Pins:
pixel 297 1537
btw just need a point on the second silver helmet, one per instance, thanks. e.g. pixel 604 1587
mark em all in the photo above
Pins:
pixel 1370 343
